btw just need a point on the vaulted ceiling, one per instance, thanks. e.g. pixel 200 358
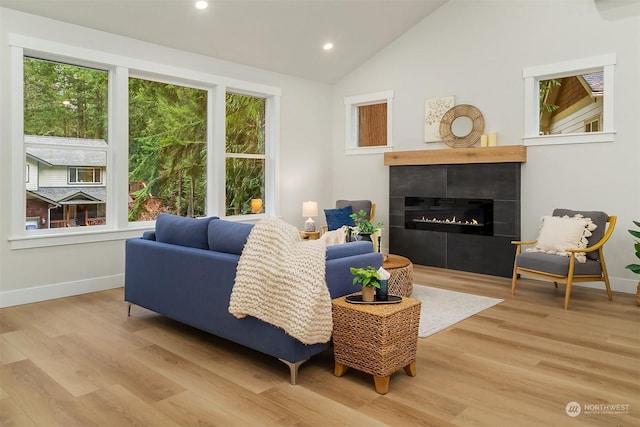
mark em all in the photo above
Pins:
pixel 285 36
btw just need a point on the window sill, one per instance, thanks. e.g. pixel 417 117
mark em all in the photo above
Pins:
pixel 249 218
pixel 355 151
pixel 73 238
pixel 573 138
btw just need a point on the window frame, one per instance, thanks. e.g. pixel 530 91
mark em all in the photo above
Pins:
pixel 116 180
pixel 265 156
pixel 532 77
pixel 174 80
pixel 352 133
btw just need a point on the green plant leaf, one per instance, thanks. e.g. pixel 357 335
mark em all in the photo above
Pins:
pixel 365 276
pixel 635 233
pixel 634 267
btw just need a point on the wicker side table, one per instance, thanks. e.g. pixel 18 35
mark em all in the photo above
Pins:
pixel 401 270
pixel 377 339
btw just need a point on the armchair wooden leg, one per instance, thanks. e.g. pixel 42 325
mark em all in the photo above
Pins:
pixel 567 292
pixel 513 281
pixel 605 274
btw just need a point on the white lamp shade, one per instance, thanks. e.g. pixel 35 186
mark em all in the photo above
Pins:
pixel 310 209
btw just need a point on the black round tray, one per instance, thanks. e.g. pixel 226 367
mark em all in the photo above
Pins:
pixel 357 299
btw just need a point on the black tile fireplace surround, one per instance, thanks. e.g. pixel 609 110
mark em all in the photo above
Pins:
pixel 488 253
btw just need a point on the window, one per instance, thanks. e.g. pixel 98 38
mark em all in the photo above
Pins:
pixel 65 124
pixel 85 175
pixel 245 154
pixel 592 125
pixel 369 123
pixel 80 112
pixel 167 149
pixel 562 99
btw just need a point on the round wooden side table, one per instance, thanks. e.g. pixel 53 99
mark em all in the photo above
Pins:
pixel 401 269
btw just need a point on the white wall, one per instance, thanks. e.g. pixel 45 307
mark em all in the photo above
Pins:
pixel 305 135
pixel 476 50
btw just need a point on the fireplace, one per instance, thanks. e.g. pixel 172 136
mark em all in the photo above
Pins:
pixel 449 214
pixel 488 192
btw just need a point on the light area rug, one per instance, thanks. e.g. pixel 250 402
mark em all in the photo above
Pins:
pixel 441 308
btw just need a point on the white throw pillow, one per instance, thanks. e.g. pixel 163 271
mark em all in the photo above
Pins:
pixel 557 234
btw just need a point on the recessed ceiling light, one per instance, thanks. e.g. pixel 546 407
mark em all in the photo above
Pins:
pixel 328 46
pixel 202 4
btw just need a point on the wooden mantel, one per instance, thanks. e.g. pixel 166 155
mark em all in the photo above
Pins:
pixel 450 156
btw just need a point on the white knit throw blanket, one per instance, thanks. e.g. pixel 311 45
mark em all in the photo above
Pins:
pixel 281 280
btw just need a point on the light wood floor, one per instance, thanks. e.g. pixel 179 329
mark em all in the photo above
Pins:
pixel 81 361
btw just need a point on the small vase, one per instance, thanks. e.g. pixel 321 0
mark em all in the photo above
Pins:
pixel 382 292
pixel 368 293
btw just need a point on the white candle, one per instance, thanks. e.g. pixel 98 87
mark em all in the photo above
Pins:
pixel 493 138
pixel 483 140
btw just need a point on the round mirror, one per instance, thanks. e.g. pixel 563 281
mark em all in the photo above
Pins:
pixel 461 126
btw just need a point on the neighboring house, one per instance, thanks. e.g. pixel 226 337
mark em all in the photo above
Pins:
pixel 65 181
pixel 579 105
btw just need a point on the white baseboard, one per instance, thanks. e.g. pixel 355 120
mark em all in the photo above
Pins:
pixel 59 290
pixel 627 286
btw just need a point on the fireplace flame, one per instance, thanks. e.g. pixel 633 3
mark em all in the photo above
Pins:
pixel 448 221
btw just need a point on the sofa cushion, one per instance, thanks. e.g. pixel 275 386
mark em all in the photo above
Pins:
pixel 183 231
pixel 599 219
pixel 556 264
pixel 228 236
pixel 336 218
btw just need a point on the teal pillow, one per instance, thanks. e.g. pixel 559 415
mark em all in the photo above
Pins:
pixel 336 218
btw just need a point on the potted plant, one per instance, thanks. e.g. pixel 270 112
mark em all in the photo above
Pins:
pixel 636 267
pixel 365 227
pixel 369 279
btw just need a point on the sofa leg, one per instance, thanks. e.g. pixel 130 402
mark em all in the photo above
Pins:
pixel 129 310
pixel 293 368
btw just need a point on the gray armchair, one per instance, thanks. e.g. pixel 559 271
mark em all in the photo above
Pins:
pixel 565 269
pixel 357 205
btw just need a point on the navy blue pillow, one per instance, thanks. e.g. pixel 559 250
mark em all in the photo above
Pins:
pixel 228 236
pixel 336 218
pixel 183 231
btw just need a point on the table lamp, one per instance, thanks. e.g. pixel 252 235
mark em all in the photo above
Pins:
pixel 309 209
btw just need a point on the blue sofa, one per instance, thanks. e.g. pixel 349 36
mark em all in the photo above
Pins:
pixel 185 270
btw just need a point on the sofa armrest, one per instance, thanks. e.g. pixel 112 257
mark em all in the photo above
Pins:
pixel 349 249
pixel 149 235
pixel 338 273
